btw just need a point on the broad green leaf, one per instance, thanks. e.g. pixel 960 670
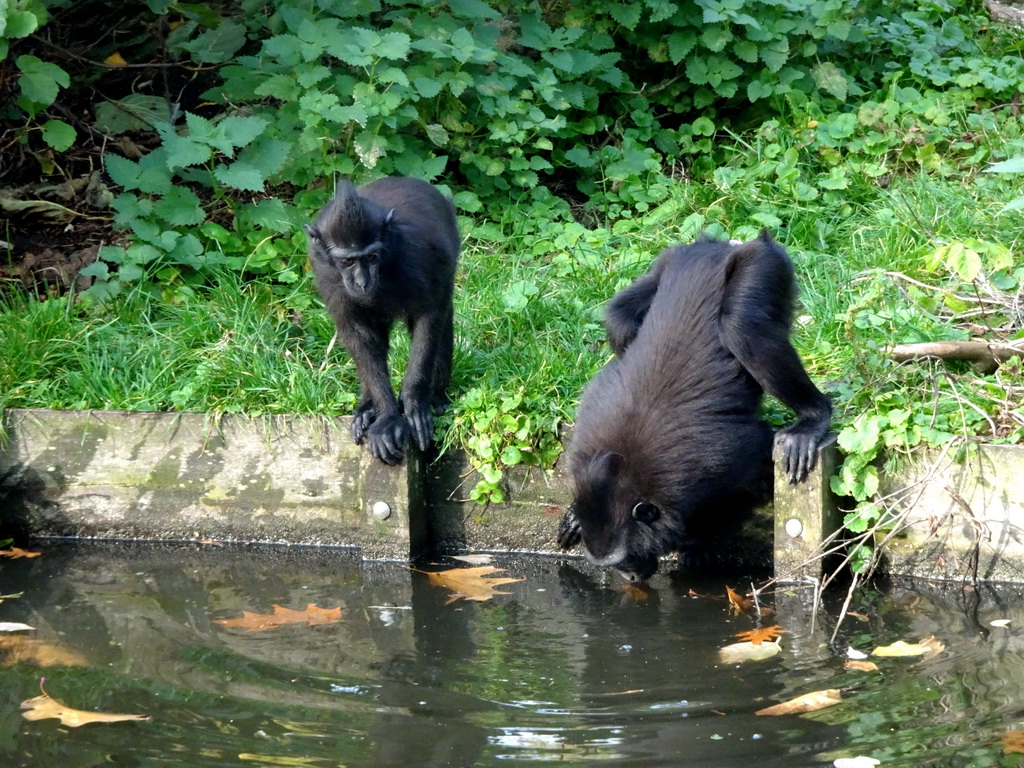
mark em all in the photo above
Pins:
pixel 135 112
pixel 393 45
pixel 40 80
pixel 182 151
pixel 20 23
pixel 437 134
pixel 58 135
pixel 472 9
pixel 180 207
pixel 1013 165
pixel 217 45
pixel 829 78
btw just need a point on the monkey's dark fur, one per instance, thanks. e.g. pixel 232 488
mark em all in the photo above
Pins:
pixel 385 252
pixel 669 438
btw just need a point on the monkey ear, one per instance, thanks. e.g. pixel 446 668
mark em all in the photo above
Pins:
pixel 609 463
pixel 646 512
pixel 313 232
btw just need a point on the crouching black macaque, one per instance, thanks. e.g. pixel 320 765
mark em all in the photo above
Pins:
pixel 387 251
pixel 669 438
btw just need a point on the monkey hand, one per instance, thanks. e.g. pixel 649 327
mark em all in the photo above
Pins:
pixel 387 436
pixel 420 416
pixel 364 416
pixel 569 530
pixel 798 445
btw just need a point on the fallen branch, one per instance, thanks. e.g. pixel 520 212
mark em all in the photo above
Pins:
pixel 980 352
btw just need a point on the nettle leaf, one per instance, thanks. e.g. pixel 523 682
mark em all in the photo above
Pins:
pixel 240 130
pixel 627 15
pixel 680 43
pixel 427 87
pixel 472 9
pixel 182 151
pixel 266 155
pixel 40 80
pixel 580 156
pixel 240 175
pixel 310 75
pixel 280 87
pixel 746 50
pixel 58 135
pixel 284 48
pixel 775 54
pixel 180 207
pixel 393 45
pixel 217 45
pixel 150 174
pixel 758 89
pixel 840 29
pixel 715 37
pixel 829 78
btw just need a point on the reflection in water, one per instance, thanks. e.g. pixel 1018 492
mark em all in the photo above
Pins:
pixel 571 667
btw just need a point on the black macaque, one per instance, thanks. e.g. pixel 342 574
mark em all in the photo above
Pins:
pixel 384 252
pixel 669 439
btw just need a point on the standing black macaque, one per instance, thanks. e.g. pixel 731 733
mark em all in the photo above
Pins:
pixel 384 252
pixel 669 438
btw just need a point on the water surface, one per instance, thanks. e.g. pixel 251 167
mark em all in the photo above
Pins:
pixel 568 667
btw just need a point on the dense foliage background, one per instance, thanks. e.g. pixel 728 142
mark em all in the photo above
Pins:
pixel 172 151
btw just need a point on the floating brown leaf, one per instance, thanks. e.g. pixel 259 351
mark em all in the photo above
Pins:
pixel 15 552
pixel 636 593
pixel 1013 741
pixel 469 583
pixel 43 707
pixel 259 622
pixel 758 636
pixel 928 648
pixel 19 649
pixel 861 666
pixel 806 703
pixel 737 602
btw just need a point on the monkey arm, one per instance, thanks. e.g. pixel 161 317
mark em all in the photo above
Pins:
pixel 627 309
pixel 428 334
pixel 754 326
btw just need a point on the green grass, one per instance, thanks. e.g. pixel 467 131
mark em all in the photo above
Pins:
pixel 531 289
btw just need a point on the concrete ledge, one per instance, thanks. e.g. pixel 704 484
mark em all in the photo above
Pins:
pixel 110 474
pixel 963 518
pixel 300 479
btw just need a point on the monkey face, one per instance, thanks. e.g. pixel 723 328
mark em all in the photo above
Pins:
pixel 615 528
pixel 358 265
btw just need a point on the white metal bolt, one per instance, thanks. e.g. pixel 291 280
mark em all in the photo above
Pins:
pixel 381 510
pixel 794 527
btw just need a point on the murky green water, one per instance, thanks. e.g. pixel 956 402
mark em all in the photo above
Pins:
pixel 566 668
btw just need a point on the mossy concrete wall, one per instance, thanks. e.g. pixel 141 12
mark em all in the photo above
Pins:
pixel 186 476
pixel 963 517
pixel 300 479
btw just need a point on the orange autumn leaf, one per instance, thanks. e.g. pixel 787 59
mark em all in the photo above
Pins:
pixel 758 636
pixel 259 622
pixel 469 583
pixel 1013 741
pixel 809 702
pixel 15 552
pixel 19 649
pixel 737 602
pixel 636 593
pixel 43 707
pixel 860 665
pixel 115 60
